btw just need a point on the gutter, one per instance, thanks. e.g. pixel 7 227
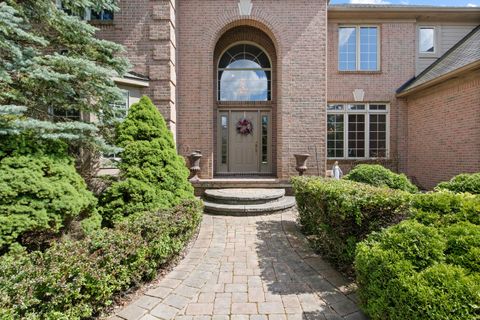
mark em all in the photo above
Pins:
pixel 455 73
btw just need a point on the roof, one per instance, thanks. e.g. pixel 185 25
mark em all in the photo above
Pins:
pixel 463 54
pixel 356 6
pixel 136 76
pixel 133 79
pixel 423 13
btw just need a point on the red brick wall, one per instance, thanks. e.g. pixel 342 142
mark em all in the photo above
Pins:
pixel 397 65
pixel 298 31
pixel 444 131
pixel 147 30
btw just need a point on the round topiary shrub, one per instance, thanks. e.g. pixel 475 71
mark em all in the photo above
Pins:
pixel 379 176
pixel 39 194
pixel 153 175
pixel 462 183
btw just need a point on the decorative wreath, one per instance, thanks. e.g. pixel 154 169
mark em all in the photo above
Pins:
pixel 244 127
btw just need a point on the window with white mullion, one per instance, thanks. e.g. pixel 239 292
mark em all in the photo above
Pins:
pixel 365 131
pixel 358 48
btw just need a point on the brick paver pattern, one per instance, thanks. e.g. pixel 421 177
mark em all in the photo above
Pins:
pixel 248 268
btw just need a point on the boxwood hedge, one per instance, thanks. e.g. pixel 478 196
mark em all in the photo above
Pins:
pixel 426 267
pixel 379 176
pixel 337 214
pixel 76 279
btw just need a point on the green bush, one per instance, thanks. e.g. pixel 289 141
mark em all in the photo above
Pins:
pixel 153 175
pixel 337 214
pixel 379 176
pixel 426 267
pixel 462 183
pixel 445 207
pixel 77 279
pixel 39 195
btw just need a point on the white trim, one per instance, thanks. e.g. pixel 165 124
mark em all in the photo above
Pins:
pixel 436 31
pixel 131 82
pixel 217 91
pixel 367 112
pixel 357 46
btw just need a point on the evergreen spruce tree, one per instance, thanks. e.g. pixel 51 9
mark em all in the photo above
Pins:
pixel 153 175
pixel 51 60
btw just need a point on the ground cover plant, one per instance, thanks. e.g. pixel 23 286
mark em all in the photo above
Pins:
pixel 379 176
pixel 337 214
pixel 426 267
pixel 77 279
pixel 153 175
pixel 467 182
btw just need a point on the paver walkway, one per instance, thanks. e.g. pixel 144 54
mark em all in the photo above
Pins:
pixel 248 268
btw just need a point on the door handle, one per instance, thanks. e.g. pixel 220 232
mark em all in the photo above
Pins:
pixel 256 147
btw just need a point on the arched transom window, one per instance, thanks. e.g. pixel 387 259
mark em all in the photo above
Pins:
pixel 244 74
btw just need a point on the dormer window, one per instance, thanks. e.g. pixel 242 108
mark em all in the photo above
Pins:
pixel 427 40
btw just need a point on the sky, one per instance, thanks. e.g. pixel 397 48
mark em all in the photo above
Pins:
pixel 455 3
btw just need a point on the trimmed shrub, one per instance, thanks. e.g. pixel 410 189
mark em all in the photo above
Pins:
pixel 39 195
pixel 379 176
pixel 426 267
pixel 337 214
pixel 77 279
pixel 154 175
pixel 445 207
pixel 462 183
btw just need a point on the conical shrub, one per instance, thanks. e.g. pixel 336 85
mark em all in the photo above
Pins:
pixel 151 170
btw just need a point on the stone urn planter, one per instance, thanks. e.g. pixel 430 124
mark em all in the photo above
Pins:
pixel 301 159
pixel 194 159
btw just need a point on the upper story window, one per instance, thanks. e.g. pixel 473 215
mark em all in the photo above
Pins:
pixel 244 74
pixel 357 131
pixel 87 13
pixel 426 40
pixel 102 15
pixel 358 48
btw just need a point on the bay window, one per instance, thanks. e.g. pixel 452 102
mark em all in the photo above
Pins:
pixel 357 130
pixel 358 48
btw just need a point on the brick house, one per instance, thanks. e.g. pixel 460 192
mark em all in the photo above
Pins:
pixel 250 83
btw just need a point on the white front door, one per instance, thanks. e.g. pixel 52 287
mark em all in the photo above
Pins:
pixel 243 142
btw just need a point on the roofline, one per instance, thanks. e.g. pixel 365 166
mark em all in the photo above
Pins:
pixel 455 73
pixel 401 8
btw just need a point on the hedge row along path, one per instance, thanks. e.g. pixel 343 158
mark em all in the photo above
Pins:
pixel 248 268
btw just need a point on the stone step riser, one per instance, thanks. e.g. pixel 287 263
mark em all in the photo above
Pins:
pixel 242 202
pixel 244 196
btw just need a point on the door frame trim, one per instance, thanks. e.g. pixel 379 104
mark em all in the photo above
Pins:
pixel 260 111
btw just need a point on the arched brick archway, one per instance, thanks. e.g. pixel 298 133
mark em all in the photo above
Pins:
pixel 297 32
pixel 261 151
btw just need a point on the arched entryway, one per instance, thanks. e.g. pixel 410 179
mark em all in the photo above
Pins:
pixel 245 99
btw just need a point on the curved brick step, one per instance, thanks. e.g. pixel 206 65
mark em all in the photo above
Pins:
pixel 249 209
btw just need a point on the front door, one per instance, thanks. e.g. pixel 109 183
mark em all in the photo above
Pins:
pixel 243 142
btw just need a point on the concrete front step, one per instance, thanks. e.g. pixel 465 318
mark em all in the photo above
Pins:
pixel 249 209
pixel 244 196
